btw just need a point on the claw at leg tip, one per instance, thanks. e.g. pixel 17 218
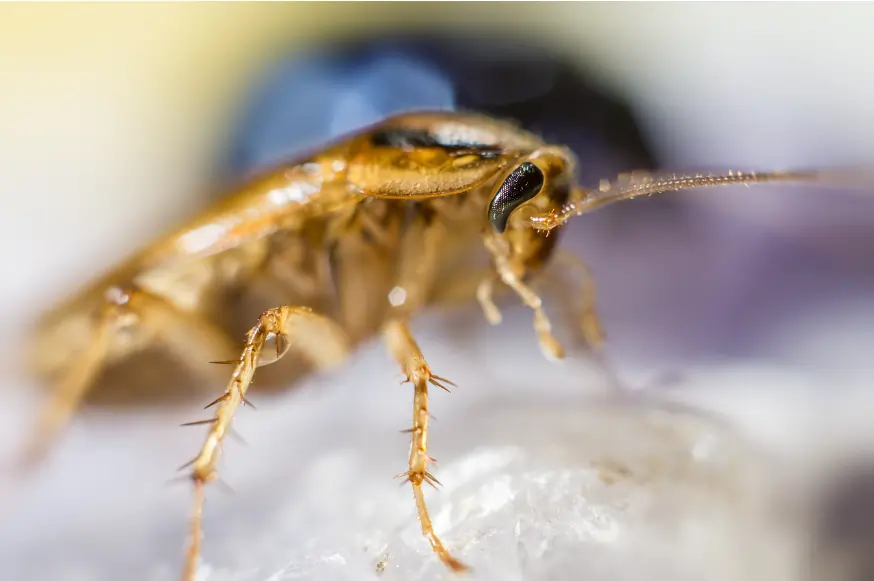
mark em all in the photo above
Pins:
pixel 458 566
pixel 552 349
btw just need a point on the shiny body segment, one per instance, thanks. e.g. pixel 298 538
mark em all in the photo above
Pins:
pixel 275 224
pixel 352 240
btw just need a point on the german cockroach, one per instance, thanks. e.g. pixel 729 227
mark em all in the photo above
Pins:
pixel 364 233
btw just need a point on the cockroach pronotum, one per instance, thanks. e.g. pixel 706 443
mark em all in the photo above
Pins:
pixel 407 197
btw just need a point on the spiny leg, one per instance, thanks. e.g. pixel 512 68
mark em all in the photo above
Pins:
pixel 406 352
pixel 317 337
pixel 417 274
pixel 511 275
pixel 125 310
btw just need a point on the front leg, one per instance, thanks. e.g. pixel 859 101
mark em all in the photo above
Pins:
pixel 589 321
pixel 511 273
pixel 406 352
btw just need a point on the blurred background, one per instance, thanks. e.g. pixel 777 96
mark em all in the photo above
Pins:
pixel 119 121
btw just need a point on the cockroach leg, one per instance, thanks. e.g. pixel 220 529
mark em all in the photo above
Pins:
pixel 511 273
pixel 317 337
pixel 125 311
pixel 67 395
pixel 484 294
pixel 406 352
pixel 183 332
pixel 590 322
pixel 189 572
pixel 549 345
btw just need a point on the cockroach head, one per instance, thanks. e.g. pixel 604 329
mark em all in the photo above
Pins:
pixel 540 181
pixel 520 186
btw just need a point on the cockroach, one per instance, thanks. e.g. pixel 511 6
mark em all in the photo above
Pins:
pixel 407 198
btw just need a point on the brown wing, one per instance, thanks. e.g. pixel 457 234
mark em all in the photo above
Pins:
pixel 432 155
pixel 421 173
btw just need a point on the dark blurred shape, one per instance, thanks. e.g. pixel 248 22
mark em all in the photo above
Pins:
pixel 318 95
pixel 844 533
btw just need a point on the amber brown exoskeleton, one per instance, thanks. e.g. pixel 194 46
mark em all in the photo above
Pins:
pixel 363 233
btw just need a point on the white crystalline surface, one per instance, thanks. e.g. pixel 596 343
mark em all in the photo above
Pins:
pixel 547 475
pixel 615 491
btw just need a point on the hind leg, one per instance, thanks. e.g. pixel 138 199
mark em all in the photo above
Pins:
pixel 125 311
pixel 67 393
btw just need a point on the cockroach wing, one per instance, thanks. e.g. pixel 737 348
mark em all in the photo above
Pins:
pixel 422 172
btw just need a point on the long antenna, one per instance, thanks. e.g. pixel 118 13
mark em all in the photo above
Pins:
pixel 628 186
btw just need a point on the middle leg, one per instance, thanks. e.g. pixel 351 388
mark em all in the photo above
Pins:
pixel 316 336
pixel 417 274
pixel 406 352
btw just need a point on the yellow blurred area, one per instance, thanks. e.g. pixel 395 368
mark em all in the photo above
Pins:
pixel 111 117
pixel 158 77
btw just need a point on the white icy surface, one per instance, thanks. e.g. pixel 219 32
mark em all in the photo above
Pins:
pixel 547 474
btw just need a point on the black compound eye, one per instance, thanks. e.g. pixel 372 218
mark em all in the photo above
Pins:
pixel 524 183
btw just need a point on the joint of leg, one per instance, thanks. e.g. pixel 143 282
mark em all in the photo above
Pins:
pixel 118 306
pixel 203 474
pixel 266 321
pixel 118 295
pixel 415 477
pixel 419 373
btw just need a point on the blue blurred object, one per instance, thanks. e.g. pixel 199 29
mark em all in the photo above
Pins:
pixel 310 98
